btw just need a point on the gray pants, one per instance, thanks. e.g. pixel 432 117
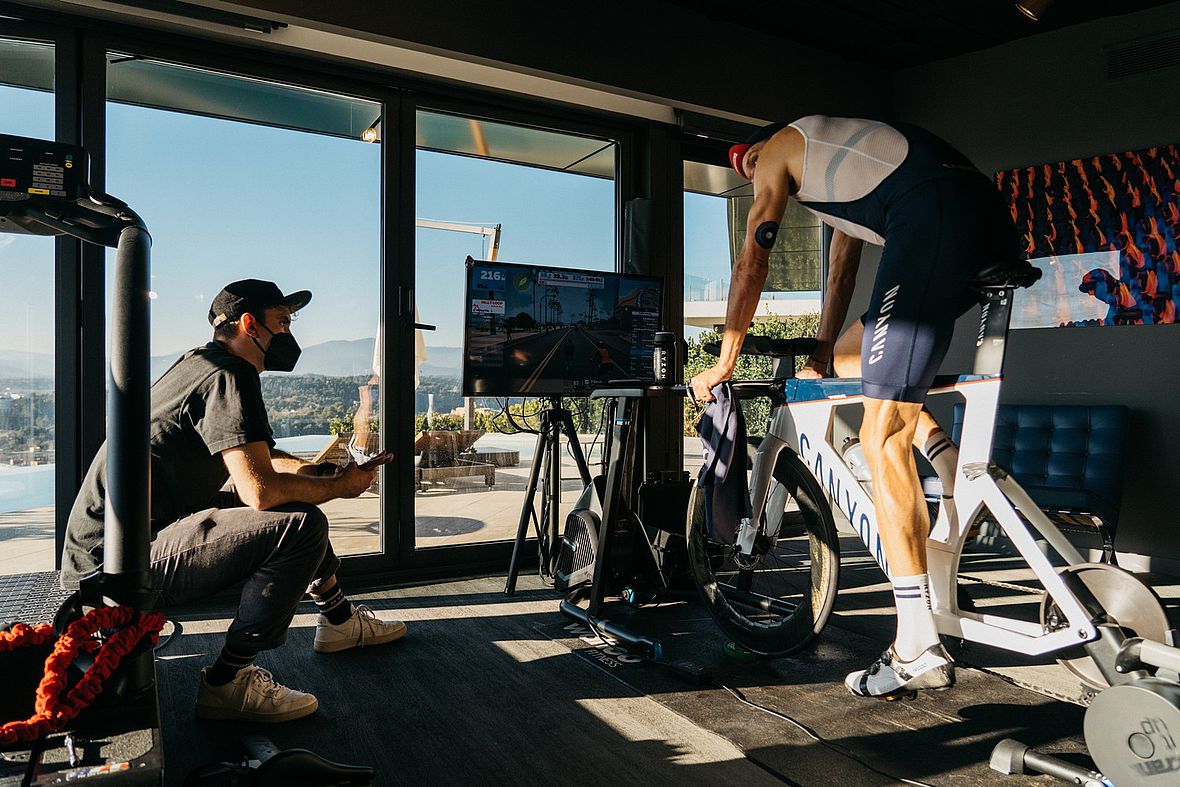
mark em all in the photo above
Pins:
pixel 280 554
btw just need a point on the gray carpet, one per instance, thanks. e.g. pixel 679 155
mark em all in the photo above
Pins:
pixel 509 691
pixel 472 693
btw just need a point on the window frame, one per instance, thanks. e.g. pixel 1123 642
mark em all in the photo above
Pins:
pixel 491 555
pixel 74 434
pixel 81 45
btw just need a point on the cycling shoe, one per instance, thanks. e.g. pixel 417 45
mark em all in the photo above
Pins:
pixel 890 678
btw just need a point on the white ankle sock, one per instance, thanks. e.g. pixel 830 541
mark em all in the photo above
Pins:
pixel 943 455
pixel 915 621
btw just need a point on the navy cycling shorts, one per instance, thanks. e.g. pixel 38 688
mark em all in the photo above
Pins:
pixel 938 235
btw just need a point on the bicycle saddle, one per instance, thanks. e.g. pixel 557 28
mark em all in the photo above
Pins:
pixel 1007 274
pixel 771 348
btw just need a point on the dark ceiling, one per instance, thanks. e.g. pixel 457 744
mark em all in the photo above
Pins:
pixel 894 34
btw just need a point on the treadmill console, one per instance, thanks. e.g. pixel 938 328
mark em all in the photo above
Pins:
pixel 36 168
pixel 39 177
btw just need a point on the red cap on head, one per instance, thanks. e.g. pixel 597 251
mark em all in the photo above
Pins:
pixel 737 154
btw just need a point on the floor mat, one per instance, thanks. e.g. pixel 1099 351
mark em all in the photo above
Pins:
pixel 803 730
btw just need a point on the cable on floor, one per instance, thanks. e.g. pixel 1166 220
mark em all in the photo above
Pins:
pixel 841 750
pixel 166 636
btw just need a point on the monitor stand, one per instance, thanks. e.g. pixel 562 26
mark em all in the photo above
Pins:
pixel 556 421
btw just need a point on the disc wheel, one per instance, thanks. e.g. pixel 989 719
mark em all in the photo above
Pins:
pixel 778 600
pixel 1130 732
pixel 1131 604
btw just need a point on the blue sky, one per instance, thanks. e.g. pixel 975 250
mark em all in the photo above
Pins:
pixel 227 200
pixel 706 236
pixel 303 210
pixel 548 218
pixel 26 263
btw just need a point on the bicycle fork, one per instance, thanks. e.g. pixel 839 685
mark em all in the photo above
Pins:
pixel 767 499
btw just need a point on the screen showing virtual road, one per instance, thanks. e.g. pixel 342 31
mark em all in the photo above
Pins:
pixel 540 331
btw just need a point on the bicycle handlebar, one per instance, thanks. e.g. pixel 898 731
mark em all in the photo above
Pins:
pixel 768 347
pixel 753 389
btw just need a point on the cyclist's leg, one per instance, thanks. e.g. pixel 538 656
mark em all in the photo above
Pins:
pixel 916 659
pixel 916 298
pixel 887 434
pixel 846 363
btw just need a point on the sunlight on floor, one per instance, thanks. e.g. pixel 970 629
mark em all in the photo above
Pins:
pixel 642 719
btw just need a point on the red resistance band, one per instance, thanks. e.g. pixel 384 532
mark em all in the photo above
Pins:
pixel 55 707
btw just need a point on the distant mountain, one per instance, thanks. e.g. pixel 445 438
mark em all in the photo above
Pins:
pixel 343 358
pixel 160 363
pixel 340 358
pixel 443 362
pixel 19 364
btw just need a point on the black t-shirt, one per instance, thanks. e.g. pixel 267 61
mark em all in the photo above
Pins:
pixel 208 401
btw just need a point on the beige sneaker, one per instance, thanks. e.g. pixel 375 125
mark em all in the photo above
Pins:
pixel 359 631
pixel 252 695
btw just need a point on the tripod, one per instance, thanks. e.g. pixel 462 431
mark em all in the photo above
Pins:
pixel 555 421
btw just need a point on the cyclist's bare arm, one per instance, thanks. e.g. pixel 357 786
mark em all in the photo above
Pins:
pixel 843 263
pixel 771 190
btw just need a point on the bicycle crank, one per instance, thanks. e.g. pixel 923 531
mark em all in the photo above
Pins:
pixel 1128 602
pixel 1133 732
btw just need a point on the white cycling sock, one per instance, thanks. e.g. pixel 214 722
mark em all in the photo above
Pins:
pixel 915 621
pixel 943 455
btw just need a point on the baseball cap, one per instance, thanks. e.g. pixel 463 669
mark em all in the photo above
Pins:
pixel 252 295
pixel 737 153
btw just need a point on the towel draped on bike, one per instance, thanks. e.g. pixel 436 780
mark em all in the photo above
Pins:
pixel 723 475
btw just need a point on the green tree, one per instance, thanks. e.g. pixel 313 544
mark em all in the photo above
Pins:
pixel 757 411
pixel 441 422
pixel 586 413
pixel 523 414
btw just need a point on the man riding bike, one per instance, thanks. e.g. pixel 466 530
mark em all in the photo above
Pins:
pixel 940 221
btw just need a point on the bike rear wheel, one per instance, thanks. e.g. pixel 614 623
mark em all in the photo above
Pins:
pixel 776 602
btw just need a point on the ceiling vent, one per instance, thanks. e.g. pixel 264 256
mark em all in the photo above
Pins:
pixel 1139 57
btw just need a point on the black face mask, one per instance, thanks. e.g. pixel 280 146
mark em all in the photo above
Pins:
pixel 283 352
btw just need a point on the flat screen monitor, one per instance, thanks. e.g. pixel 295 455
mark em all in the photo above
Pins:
pixel 535 330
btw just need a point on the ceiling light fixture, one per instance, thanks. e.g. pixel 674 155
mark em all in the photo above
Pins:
pixel 1033 9
pixel 373 132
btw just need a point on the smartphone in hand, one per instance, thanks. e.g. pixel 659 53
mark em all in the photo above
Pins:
pixel 378 459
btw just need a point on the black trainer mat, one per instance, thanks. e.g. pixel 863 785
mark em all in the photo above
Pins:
pixel 30 598
pixel 942 738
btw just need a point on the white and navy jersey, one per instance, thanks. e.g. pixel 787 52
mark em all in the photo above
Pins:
pixel 854 168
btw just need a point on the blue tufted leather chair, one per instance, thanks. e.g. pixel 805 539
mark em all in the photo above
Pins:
pixel 1069 458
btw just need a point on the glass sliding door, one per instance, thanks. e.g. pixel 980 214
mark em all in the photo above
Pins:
pixel 27 412
pixel 493 190
pixel 240 178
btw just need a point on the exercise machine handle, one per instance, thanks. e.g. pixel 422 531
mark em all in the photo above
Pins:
pixel 1136 651
pixel 1013 757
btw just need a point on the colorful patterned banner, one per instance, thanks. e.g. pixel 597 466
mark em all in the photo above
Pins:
pixel 1127 203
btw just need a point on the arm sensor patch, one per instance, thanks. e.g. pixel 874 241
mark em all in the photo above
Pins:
pixel 766 233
